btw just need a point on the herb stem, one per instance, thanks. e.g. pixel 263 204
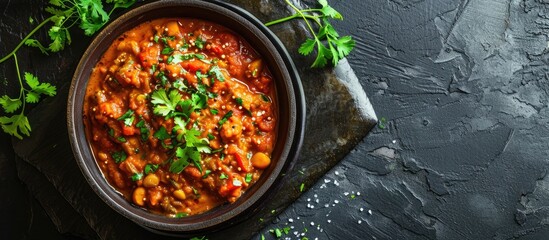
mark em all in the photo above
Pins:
pixel 21 92
pixel 12 53
pixel 297 15
pixel 302 15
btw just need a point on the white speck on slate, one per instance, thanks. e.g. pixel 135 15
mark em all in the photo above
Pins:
pixel 329 221
pixel 346 193
pixel 361 209
pixel 370 212
pixel 336 173
pixel 359 221
pixel 336 183
pixel 336 201
pixel 326 205
pixel 291 220
pixel 323 186
pixel 327 180
pixel 312 223
pixel 296 233
pixel 308 199
pixel 358 193
pixel 316 196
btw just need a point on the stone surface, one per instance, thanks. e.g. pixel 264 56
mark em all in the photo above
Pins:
pixel 463 86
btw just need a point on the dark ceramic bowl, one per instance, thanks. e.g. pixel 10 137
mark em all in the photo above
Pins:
pixel 289 93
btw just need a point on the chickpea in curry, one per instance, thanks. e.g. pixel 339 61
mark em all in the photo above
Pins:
pixel 180 115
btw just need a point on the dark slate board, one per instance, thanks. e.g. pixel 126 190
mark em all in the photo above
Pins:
pixel 339 115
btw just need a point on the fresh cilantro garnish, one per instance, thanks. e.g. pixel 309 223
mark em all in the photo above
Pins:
pixel 119 156
pixel 329 45
pixel 137 176
pixel 225 117
pixel 89 15
pixel 206 173
pixel 121 139
pixel 181 214
pixel 143 130
pixel 265 98
pixel 302 187
pixel 150 168
pixel 223 176
pixel 167 50
pixel 238 101
pixel 248 178
pixel 162 77
pixel 199 42
pixel 19 123
pixel 156 38
pixel 214 111
pixel 164 104
pixel 128 117
pixel 177 58
pixel 216 71
pixel 211 136
pixel 170 59
pixel 161 134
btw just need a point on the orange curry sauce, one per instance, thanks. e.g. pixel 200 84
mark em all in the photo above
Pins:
pixel 180 116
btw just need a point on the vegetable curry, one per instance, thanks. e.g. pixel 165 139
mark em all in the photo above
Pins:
pixel 181 116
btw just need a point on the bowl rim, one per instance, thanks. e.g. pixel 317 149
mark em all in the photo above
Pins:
pixel 290 153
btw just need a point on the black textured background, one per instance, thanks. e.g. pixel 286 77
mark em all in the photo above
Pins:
pixel 463 86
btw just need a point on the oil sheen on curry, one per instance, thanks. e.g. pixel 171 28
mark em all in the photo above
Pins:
pixel 180 115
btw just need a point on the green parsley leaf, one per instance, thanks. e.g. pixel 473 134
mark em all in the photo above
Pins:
pixel 181 214
pixel 16 124
pixel 307 47
pixel 223 176
pixel 35 43
pixel 161 134
pixel 177 166
pixel 211 136
pixel 127 117
pixel 216 71
pixel 119 156
pixel 302 187
pixel 225 117
pixel 143 130
pixel 214 111
pixel 206 173
pixel 248 178
pixel 167 50
pixel 137 176
pixel 199 42
pixel 177 58
pixel 164 105
pixel 238 101
pixel 9 104
pixel 286 230
pixel 150 168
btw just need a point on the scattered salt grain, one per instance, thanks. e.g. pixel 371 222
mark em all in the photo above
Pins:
pixel 292 220
pixel 370 212
pixel 329 221
pixel 361 209
pixel 346 193
pixel 327 180
pixel 312 223
pixel 336 201
pixel 336 173
pixel 359 221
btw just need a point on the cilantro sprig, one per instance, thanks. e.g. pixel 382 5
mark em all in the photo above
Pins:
pixel 89 15
pixel 330 46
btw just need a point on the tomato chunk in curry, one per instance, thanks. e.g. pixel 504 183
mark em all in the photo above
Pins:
pixel 180 115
